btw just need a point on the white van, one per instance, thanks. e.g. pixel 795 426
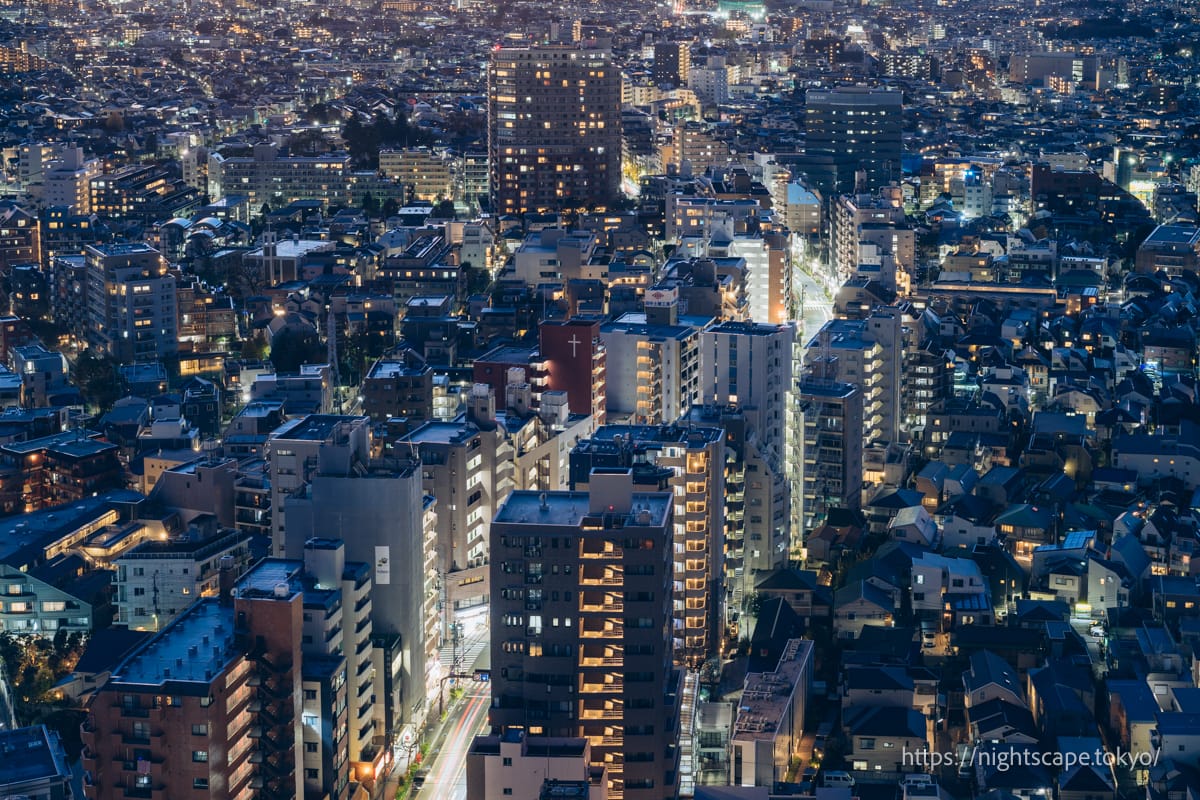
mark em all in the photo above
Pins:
pixel 837 780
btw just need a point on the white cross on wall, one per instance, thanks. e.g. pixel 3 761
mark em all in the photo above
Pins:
pixel 574 342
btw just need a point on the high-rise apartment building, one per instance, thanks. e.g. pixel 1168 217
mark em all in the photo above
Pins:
pixel 269 178
pixel 208 707
pixel 768 275
pixel 757 505
pixel 67 181
pixel 377 507
pixel 458 466
pixel 131 302
pixel 653 373
pixel 581 627
pixel 143 192
pixel 426 174
pixel 301 449
pixel 749 365
pixel 852 129
pixel 554 128
pixel 690 462
pixel 868 353
pixel 833 446
pixel 875 219
pixel 157 581
pixel 19 236
pixel 672 62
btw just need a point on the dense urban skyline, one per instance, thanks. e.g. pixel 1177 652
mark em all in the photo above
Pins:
pixel 707 399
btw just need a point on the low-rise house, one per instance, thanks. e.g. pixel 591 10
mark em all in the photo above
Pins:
pixel 879 737
pixel 1085 781
pixel 913 524
pixel 936 579
pixel 997 720
pixel 1131 713
pixel 858 605
pixel 800 589
pixel 990 677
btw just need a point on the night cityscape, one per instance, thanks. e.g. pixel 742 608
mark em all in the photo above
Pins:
pixel 713 399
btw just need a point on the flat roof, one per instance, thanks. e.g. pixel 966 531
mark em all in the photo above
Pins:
pixel 194 549
pixel 395 368
pixel 767 696
pixel 1173 234
pixel 568 509
pixel 69 443
pixel 437 432
pixel 508 354
pixel 263 577
pixel 194 648
pixel 30 754
pixel 39 529
pixel 314 427
pixel 689 435
pixel 122 249
pixel 814 388
pixel 634 323
pixel 746 328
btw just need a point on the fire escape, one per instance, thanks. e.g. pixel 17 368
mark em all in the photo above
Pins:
pixel 273 704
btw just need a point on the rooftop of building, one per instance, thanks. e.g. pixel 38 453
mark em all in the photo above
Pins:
pixel 323 543
pixel 437 432
pixel 1173 235
pixel 122 249
pixel 261 408
pixel 30 754
pixel 767 696
pixel 75 444
pixel 196 548
pixel 194 648
pixel 272 577
pixel 689 435
pixel 634 323
pixel 824 388
pixel 569 509
pixel 565 790
pixel 314 427
pixel 38 529
pixel 740 328
pixel 395 368
pixel 532 746
pixel 508 354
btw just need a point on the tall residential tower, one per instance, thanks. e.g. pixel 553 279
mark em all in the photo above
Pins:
pixel 554 128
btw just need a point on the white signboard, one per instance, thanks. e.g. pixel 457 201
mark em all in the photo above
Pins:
pixel 383 565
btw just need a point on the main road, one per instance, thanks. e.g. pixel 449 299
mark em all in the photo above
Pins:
pixel 446 778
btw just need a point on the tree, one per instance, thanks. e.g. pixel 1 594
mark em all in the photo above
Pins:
pixel 256 347
pixel 291 347
pixel 370 205
pixel 98 380
pixel 444 210
pixel 390 208
pixel 310 142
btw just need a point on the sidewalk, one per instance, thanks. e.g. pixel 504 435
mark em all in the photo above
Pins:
pixel 435 735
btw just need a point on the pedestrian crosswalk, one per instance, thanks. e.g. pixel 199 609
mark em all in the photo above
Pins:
pixel 468 651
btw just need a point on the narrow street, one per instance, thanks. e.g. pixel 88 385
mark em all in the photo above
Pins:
pixel 817 308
